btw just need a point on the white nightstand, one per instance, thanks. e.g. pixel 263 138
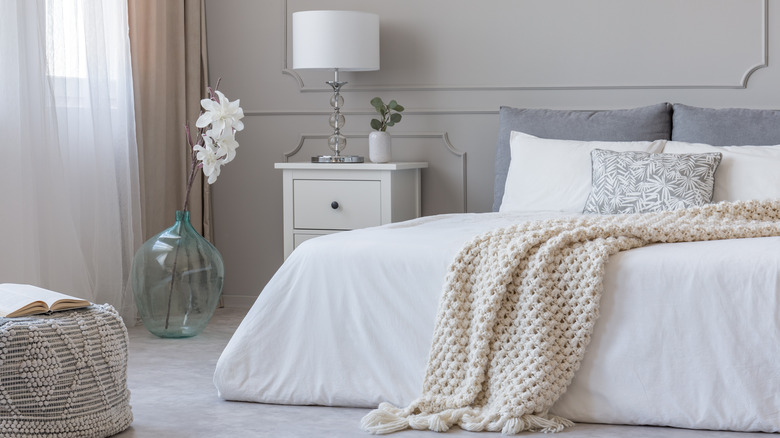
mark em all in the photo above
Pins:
pixel 324 198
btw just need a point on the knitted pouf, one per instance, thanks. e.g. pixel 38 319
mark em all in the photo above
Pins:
pixel 64 374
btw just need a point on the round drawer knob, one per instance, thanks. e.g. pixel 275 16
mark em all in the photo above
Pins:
pixel 334 205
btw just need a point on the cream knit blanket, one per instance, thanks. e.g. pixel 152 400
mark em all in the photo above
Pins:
pixel 518 310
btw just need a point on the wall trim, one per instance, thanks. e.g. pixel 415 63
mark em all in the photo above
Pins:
pixel 742 84
pixel 419 112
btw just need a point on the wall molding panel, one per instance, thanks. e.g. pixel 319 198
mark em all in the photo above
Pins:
pixel 702 45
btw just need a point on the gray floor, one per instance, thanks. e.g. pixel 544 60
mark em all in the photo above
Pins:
pixel 172 396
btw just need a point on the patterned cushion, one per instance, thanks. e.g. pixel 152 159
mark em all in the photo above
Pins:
pixel 639 182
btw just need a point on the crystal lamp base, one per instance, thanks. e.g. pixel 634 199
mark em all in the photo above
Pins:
pixel 337 159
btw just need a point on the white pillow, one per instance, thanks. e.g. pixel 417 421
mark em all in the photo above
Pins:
pixel 745 172
pixel 555 175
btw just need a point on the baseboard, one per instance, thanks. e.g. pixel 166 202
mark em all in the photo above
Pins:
pixel 240 301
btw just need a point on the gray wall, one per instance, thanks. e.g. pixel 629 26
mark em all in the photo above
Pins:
pixel 452 64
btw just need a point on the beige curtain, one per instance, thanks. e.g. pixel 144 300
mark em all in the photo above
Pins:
pixel 170 77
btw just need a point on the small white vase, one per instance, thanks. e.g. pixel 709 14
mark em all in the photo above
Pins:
pixel 379 147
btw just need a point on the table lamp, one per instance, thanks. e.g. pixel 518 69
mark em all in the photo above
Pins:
pixel 338 41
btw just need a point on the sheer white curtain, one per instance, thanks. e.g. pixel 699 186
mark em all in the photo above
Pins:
pixel 69 198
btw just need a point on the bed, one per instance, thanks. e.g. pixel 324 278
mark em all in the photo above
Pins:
pixel 687 332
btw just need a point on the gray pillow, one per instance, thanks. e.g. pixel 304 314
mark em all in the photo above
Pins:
pixel 639 182
pixel 726 127
pixel 638 124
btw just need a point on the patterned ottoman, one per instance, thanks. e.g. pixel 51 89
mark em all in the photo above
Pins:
pixel 64 374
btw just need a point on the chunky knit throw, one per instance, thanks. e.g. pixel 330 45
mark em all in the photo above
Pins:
pixel 518 309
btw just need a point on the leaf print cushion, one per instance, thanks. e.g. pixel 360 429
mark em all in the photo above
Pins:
pixel 640 182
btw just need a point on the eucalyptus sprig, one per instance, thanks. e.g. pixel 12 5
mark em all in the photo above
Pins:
pixel 389 113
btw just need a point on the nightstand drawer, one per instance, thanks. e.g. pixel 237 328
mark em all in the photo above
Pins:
pixel 363 194
pixel 301 237
pixel 336 204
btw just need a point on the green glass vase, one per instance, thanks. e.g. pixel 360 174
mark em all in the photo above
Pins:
pixel 177 280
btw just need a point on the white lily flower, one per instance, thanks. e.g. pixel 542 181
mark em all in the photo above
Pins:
pixel 209 156
pixel 223 116
pixel 226 146
pixel 220 121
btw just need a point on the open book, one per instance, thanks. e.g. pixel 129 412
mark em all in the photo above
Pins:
pixel 24 299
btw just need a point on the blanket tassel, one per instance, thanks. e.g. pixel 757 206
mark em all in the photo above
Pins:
pixel 513 425
pixel 535 423
pixel 385 419
pixel 388 419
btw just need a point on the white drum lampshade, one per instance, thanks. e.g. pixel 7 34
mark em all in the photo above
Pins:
pixel 338 41
pixel 343 40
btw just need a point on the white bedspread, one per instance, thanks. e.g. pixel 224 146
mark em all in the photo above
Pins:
pixel 688 334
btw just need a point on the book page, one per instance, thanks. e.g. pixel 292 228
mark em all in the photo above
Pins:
pixel 16 296
pixel 10 301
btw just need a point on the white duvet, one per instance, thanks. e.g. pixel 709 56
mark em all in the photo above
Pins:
pixel 689 333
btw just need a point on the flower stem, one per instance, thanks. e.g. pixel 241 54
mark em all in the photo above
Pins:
pixel 190 180
pixel 173 279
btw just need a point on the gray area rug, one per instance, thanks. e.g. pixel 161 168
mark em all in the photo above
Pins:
pixel 172 396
